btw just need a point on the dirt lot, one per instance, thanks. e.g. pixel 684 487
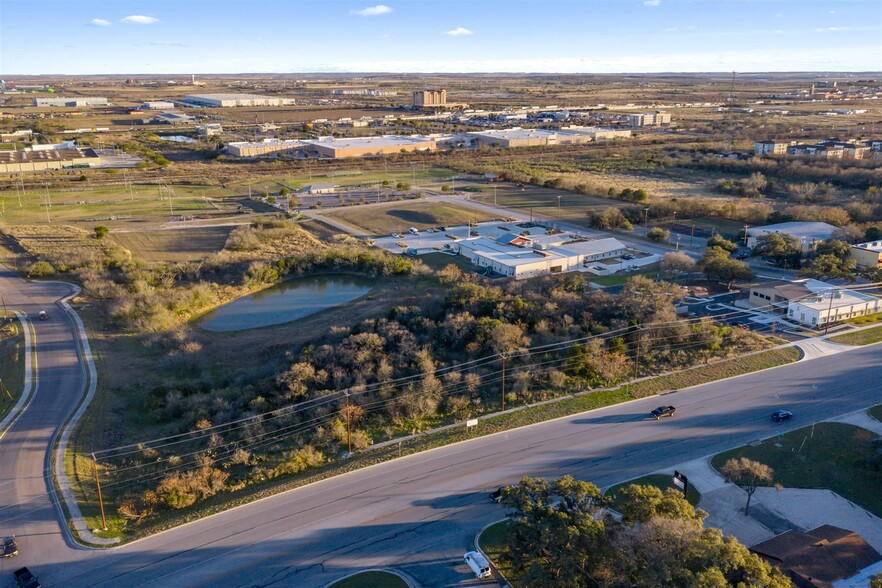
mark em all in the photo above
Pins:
pixel 173 245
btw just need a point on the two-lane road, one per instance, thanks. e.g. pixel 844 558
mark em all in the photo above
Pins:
pixel 421 513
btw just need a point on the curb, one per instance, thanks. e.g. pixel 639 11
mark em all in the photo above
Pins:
pixel 481 551
pixel 55 465
pixel 407 580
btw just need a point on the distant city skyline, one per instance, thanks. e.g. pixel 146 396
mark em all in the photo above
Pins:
pixel 80 37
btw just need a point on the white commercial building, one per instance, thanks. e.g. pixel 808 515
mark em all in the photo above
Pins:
pixel 232 100
pixel 521 257
pixel 649 119
pixel 157 105
pixel 829 304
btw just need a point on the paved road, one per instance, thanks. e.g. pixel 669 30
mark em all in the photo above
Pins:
pixel 420 513
pixel 25 506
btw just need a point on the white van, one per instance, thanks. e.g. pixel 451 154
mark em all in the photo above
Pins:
pixel 478 563
pixel 413 231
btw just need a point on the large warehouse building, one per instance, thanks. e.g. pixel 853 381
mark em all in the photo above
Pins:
pixel 232 100
pixel 368 146
pixel 59 101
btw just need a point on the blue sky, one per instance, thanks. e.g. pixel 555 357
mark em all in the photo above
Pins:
pixel 582 36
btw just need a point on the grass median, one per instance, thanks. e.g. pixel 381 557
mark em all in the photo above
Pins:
pixel 864 337
pixel 489 425
pixel 372 579
pixel 11 366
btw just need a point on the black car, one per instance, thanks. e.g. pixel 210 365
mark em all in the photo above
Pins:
pixel 10 549
pixel 496 495
pixel 782 415
pixel 663 411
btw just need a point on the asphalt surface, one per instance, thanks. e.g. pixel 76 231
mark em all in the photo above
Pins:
pixel 418 514
pixel 26 509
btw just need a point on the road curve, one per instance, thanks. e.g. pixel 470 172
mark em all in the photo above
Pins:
pixel 421 512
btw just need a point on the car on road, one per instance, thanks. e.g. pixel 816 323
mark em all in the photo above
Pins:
pixel 782 415
pixel 496 495
pixel 629 256
pixel 742 256
pixel 43 316
pixel 663 411
pixel 478 563
pixel 10 548
pixel 25 579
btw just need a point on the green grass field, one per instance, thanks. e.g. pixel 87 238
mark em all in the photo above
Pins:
pixel 660 481
pixel 492 543
pixel 836 456
pixel 373 579
pixel 398 217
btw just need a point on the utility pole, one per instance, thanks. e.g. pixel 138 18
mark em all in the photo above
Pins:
pixel 645 218
pixel 829 310
pixel 348 423
pixel 494 195
pixel 637 354
pixel 745 234
pixel 100 499
pixel 504 356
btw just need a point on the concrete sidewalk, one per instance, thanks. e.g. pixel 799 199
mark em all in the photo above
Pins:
pixel 862 419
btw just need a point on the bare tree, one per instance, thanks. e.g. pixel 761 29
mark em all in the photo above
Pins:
pixel 748 475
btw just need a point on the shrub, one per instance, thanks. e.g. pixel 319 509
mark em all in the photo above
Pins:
pixel 658 234
pixel 40 269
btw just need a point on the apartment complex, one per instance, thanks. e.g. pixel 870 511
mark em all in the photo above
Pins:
pixel 649 119
pixel 429 98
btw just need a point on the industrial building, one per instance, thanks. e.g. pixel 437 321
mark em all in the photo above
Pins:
pixel 172 118
pixel 265 147
pixel 59 101
pixel 520 137
pixel 369 146
pixel 63 158
pixel 233 100
pixel 210 129
pixel 157 105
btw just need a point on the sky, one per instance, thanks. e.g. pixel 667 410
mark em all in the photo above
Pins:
pixel 78 37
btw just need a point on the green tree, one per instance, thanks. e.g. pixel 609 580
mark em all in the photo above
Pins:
pixel 829 266
pixel 876 581
pixel 717 265
pixel 638 504
pixel 101 231
pixel 676 262
pixel 748 475
pixel 717 240
pixel 658 234
pixel 780 248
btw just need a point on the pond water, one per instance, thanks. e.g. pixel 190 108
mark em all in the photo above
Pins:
pixel 289 301
pixel 178 138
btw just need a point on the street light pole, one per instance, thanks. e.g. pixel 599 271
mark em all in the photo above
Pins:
pixel 504 357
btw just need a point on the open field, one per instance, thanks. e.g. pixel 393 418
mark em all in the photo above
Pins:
pixel 836 456
pixel 383 220
pixel 660 481
pixel 544 202
pixel 173 245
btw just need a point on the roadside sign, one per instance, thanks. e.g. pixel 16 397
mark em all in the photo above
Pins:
pixel 681 481
pixel 471 423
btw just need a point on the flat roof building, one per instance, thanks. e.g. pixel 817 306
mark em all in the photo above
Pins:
pixel 233 100
pixel 157 105
pixel 867 254
pixel 429 98
pixel 265 147
pixel 79 101
pixel 649 119
pixel 812 302
pixel 337 148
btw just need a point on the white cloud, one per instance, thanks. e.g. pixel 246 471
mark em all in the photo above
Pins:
pixel 372 10
pixel 99 22
pixel 833 29
pixel 459 32
pixel 651 3
pixel 139 19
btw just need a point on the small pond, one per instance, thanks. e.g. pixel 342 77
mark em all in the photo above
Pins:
pixel 289 301
pixel 178 138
